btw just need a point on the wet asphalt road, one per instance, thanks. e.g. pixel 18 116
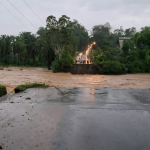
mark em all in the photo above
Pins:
pixel 76 119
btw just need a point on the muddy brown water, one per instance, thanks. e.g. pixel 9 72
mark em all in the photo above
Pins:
pixel 14 76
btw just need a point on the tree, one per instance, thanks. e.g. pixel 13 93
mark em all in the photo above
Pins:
pixel 46 52
pixel 55 45
pixel 59 34
pixel 137 51
pixel 119 32
pixel 81 38
pixel 130 32
pixel 30 45
pixel 41 32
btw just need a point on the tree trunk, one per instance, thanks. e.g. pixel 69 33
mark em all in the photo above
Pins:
pixel 48 59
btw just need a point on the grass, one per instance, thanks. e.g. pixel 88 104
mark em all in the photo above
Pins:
pixel 23 87
pixel 2 90
pixel 1 86
pixel 1 68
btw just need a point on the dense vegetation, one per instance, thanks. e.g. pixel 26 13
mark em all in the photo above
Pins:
pixel 132 57
pixel 54 46
pixel 2 90
pixel 56 42
pixel 23 87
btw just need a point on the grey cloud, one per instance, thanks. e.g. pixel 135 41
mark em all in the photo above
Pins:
pixel 125 13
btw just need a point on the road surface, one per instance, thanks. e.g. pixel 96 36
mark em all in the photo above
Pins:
pixel 76 119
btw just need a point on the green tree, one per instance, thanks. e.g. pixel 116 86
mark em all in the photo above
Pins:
pixel 130 32
pixel 41 32
pixel 81 38
pixel 59 34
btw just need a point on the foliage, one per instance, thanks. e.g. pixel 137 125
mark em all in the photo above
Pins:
pixel 60 34
pixel 55 66
pixel 108 61
pixel 2 90
pixel 81 38
pixel 27 49
pixel 137 52
pixel 112 67
pixel 64 64
pixel 66 61
pixel 41 32
pixel 23 87
pixel 60 39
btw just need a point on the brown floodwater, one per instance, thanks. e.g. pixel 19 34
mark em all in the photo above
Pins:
pixel 14 76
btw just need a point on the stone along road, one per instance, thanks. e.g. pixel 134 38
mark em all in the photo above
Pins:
pixel 76 119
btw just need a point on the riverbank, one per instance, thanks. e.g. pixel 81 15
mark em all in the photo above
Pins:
pixel 13 76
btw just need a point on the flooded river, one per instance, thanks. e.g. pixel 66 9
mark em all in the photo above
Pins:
pixel 14 76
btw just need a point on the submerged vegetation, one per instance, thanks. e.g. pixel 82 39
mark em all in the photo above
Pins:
pixel 23 87
pixel 55 45
pixel 2 90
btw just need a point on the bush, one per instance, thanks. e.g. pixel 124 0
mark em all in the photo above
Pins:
pixel 55 66
pixel 112 67
pixel 66 61
pixel 136 67
pixel 64 64
pixel 23 87
pixel 130 67
pixel 139 66
pixel 2 90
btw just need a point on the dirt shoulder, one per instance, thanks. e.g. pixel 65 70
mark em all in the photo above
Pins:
pixel 13 76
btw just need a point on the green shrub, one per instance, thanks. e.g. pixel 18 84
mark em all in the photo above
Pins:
pixel 112 67
pixel 139 66
pixel 55 66
pixel 23 87
pixel 66 61
pixel 136 67
pixel 64 64
pixel 2 90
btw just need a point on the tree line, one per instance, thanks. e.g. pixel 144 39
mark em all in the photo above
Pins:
pixel 132 57
pixel 58 41
pixel 55 45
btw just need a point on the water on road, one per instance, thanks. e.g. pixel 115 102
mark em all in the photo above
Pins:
pixel 76 119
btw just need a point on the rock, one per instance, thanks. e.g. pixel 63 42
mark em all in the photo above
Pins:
pixel 1 146
pixel 17 90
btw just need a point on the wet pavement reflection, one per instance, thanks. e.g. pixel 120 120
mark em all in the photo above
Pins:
pixel 76 119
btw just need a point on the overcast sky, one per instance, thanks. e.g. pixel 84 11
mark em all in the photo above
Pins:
pixel 126 13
